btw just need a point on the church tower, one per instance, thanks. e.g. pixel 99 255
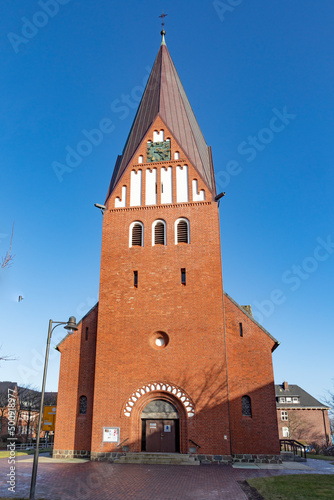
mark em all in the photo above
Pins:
pixel 165 362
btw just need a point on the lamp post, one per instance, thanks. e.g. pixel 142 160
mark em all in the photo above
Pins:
pixel 71 326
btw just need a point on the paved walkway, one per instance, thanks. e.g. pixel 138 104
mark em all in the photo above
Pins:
pixel 103 481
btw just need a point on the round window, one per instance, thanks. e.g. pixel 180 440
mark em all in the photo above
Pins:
pixel 158 340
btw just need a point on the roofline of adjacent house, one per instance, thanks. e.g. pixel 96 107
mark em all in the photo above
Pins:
pixel 254 321
pixel 71 333
pixel 299 407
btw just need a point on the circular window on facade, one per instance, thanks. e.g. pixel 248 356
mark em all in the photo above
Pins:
pixel 159 340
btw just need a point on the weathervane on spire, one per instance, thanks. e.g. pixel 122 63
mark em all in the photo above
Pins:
pixel 163 32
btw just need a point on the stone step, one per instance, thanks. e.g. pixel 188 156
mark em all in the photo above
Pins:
pixel 288 456
pixel 157 459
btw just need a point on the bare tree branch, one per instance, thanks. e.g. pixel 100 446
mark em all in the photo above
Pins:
pixel 7 260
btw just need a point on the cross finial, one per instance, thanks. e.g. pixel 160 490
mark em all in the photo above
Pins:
pixel 163 15
pixel 163 32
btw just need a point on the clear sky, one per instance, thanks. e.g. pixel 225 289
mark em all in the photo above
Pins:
pixel 259 76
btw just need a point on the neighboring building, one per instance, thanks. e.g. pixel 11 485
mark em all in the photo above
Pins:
pixel 26 410
pixel 166 360
pixel 7 391
pixel 301 417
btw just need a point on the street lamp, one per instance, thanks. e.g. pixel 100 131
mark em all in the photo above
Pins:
pixel 71 326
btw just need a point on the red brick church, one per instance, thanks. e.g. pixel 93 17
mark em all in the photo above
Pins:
pixel 166 361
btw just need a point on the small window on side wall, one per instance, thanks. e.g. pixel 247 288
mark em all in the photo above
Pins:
pixel 83 405
pixel 183 276
pixel 246 405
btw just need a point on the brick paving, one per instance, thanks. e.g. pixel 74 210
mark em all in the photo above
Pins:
pixel 103 481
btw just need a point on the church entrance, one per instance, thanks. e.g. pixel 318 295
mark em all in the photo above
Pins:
pixel 160 427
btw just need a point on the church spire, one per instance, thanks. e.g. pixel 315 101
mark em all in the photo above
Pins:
pixel 164 96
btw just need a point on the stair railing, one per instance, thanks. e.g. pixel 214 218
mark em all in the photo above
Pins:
pixel 296 447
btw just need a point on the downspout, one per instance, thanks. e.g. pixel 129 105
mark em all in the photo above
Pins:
pixel 227 380
pixel 326 435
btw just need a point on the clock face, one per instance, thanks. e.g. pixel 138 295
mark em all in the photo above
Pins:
pixel 158 151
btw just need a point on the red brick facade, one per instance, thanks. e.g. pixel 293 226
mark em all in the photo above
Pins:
pixel 305 425
pixel 204 367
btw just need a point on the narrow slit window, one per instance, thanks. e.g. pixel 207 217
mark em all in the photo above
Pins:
pixel 182 232
pixel 137 235
pixel 135 279
pixel 159 233
pixel 183 276
pixel 241 330
pixel 86 332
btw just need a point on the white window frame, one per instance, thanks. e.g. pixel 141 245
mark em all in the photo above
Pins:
pixel 284 416
pixel 175 229
pixel 153 232
pixel 282 400
pixel 295 399
pixel 285 432
pixel 130 233
pixel 288 399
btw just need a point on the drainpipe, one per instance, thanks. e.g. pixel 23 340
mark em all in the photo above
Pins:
pixel 227 381
pixel 326 435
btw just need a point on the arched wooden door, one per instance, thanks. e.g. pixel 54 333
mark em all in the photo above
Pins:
pixel 160 427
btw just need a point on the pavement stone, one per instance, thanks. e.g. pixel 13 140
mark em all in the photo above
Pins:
pixel 103 481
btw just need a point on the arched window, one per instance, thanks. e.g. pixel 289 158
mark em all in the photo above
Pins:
pixel 182 234
pixel 83 405
pixel 136 234
pixel 159 232
pixel 246 405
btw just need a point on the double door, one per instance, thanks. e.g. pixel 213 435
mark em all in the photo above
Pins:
pixel 160 436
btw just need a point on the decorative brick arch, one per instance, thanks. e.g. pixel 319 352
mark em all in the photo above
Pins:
pixel 155 388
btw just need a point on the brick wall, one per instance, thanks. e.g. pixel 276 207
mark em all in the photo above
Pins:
pixel 76 378
pixel 306 425
pixel 250 372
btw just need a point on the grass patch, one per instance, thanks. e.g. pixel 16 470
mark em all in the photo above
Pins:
pixel 319 457
pixel 295 487
pixel 5 454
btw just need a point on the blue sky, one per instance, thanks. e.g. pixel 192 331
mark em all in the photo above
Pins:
pixel 259 76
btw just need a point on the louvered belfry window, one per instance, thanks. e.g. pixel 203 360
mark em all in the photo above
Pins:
pixel 137 235
pixel 159 233
pixel 182 232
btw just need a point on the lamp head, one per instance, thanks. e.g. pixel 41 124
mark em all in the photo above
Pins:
pixel 71 325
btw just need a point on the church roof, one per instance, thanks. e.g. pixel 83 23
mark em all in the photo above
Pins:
pixel 164 95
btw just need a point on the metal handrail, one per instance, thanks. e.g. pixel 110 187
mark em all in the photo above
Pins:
pixel 24 446
pixel 120 444
pixel 193 442
pixel 294 446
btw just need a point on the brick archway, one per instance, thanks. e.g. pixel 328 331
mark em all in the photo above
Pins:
pixel 170 389
pixel 155 394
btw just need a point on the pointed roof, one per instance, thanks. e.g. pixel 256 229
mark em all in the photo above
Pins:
pixel 164 95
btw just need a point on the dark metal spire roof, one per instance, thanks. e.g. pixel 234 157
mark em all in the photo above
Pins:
pixel 164 95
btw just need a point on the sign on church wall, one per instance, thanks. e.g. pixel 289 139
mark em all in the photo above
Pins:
pixel 111 434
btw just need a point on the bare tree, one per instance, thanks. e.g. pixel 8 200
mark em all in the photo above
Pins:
pixel 3 407
pixel 29 406
pixel 7 260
